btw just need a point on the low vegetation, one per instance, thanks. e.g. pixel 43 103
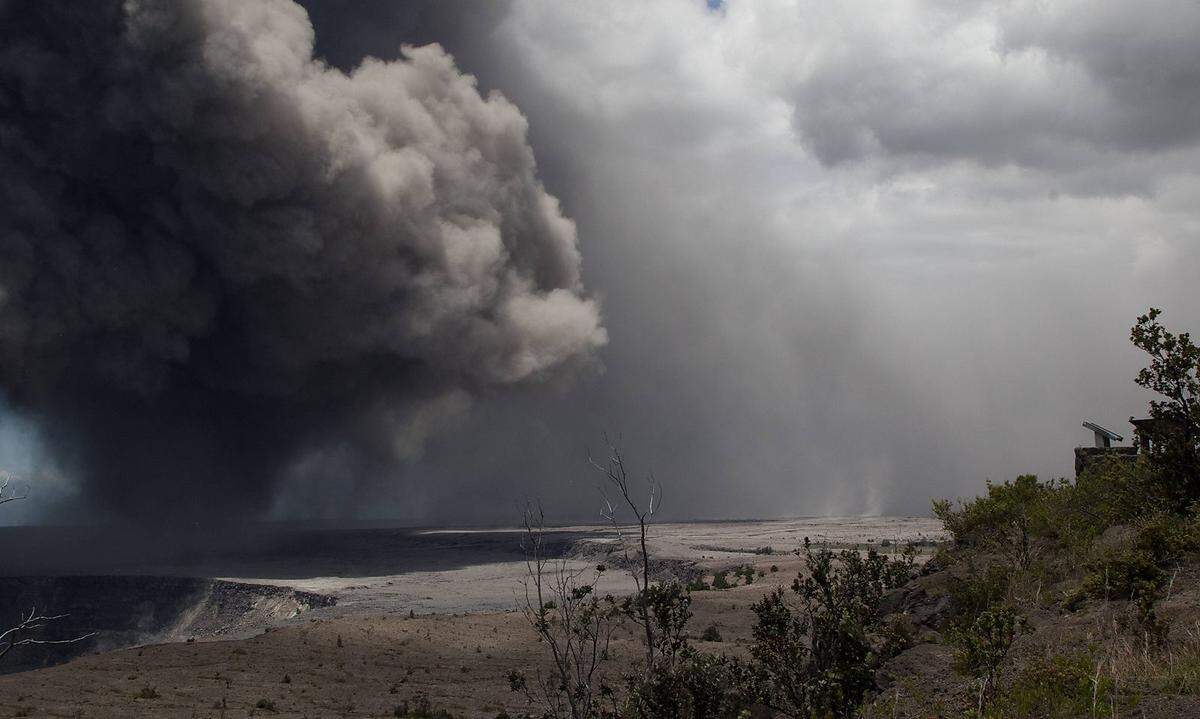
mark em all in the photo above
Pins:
pixel 265 704
pixel 815 649
pixel 420 708
pixel 1109 545
pixel 148 692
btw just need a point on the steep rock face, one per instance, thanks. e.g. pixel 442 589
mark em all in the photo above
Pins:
pixel 121 611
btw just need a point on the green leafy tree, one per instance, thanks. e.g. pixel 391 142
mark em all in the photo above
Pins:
pixel 1174 436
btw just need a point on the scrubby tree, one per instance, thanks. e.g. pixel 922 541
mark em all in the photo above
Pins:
pixel 576 626
pixel 816 659
pixel 674 680
pixel 982 645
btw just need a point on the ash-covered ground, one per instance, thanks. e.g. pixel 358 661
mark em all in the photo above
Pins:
pixel 126 585
pixel 320 621
pixel 483 570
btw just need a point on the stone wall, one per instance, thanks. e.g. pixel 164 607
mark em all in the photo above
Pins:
pixel 1085 456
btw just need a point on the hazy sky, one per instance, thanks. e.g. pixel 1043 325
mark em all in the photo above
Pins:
pixel 846 256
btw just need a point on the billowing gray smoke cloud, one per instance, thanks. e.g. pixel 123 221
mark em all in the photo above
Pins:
pixel 854 255
pixel 222 260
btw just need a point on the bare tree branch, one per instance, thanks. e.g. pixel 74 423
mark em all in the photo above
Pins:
pixel 562 607
pixel 31 622
pixel 616 477
pixel 5 494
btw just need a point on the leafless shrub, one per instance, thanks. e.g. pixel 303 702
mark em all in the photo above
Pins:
pixel 563 608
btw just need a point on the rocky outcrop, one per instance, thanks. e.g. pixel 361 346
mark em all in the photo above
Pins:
pixel 121 611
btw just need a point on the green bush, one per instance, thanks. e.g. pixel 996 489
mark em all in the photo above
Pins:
pixel 669 609
pixel 817 660
pixel 1060 686
pixel 420 708
pixel 1007 519
pixel 679 682
pixel 977 591
pixel 1016 519
pixel 895 636
pixel 1139 568
pixel 1109 492
pixel 981 646
pixel 699 686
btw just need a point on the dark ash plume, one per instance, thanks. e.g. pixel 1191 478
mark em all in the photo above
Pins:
pixel 219 256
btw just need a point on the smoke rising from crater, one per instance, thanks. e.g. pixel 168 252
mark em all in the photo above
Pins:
pixel 222 260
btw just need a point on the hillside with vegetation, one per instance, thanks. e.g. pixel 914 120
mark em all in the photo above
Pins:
pixel 1054 598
